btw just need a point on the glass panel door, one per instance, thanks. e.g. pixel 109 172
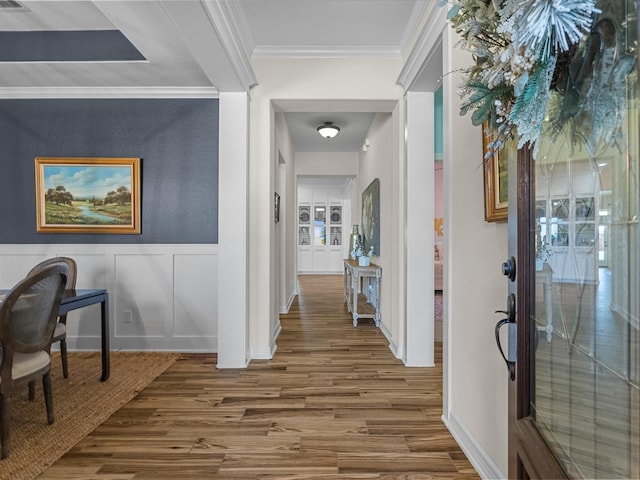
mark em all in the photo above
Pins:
pixel 585 378
pixel 319 225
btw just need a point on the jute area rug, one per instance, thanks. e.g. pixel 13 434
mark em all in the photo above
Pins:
pixel 81 403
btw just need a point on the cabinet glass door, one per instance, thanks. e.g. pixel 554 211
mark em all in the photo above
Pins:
pixel 319 225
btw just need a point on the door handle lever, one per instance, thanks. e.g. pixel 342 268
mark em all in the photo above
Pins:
pixel 511 365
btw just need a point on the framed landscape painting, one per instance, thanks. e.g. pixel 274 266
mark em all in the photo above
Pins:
pixel 496 199
pixel 88 195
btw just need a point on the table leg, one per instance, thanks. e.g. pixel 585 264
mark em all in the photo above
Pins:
pixel 104 310
pixel 377 317
pixel 347 298
pixel 355 291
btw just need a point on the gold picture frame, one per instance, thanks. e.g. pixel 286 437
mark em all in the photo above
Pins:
pixel 496 198
pixel 88 195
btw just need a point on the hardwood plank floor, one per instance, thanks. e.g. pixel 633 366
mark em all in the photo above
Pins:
pixel 333 403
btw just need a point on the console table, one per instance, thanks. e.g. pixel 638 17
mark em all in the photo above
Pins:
pixel 362 290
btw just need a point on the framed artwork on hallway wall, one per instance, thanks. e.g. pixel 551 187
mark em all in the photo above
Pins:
pixel 496 199
pixel 87 195
pixel 371 217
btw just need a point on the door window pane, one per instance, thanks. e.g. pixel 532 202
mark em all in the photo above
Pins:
pixel 585 234
pixel 585 208
pixel 586 350
pixel 560 210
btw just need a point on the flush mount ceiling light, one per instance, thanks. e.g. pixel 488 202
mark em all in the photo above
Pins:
pixel 328 130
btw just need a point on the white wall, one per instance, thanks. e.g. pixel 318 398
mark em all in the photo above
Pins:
pixel 327 164
pixel 376 163
pixel 337 81
pixel 285 229
pixel 476 378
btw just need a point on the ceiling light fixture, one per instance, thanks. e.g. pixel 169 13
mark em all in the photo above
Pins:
pixel 328 130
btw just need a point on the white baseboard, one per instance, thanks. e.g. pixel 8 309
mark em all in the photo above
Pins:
pixel 276 334
pixel 284 309
pixel 398 352
pixel 267 353
pixel 262 354
pixel 483 464
pixel 202 344
pixel 320 272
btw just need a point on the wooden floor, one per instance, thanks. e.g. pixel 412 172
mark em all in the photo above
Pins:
pixel 332 404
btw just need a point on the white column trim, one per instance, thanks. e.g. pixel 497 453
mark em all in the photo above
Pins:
pixel 233 181
pixel 419 228
pixel 232 31
pixel 433 25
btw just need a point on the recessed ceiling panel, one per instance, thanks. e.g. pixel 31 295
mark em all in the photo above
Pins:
pixel 329 25
pixel 67 46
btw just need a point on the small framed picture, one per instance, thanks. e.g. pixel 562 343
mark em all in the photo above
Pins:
pixel 276 207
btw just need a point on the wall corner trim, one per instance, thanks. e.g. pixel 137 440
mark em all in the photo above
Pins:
pixel 434 24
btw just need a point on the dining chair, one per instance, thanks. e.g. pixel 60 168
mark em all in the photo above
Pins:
pixel 28 316
pixel 60 334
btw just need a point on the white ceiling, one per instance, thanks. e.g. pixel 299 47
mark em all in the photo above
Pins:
pixel 206 46
pixel 303 129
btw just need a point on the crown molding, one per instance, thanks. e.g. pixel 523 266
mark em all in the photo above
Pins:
pixel 419 17
pixel 107 92
pixel 229 24
pixel 434 21
pixel 276 51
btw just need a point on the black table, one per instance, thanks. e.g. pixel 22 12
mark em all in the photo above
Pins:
pixel 79 298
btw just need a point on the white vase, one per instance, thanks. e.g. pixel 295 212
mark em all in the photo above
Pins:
pixel 363 261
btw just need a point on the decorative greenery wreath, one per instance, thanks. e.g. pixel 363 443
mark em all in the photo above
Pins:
pixel 529 69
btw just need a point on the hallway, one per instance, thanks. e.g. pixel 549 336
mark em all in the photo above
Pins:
pixel 332 404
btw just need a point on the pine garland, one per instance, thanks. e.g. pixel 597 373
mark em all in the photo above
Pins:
pixel 516 44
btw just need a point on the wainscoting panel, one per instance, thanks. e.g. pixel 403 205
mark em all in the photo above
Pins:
pixel 143 295
pixel 195 302
pixel 14 267
pixel 161 297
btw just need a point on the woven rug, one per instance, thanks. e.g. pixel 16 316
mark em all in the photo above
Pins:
pixel 80 402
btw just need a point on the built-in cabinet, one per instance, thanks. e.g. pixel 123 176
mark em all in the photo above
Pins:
pixel 570 236
pixel 320 230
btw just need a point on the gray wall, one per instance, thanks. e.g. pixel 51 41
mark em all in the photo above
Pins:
pixel 177 140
